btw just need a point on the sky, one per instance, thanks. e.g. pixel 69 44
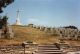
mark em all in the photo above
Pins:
pixel 52 13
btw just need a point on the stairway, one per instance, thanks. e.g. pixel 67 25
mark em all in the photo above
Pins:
pixel 48 49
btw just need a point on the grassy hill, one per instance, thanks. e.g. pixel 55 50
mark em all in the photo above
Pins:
pixel 32 34
pixel 24 33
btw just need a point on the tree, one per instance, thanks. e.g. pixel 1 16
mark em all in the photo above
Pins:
pixel 4 3
pixel 72 27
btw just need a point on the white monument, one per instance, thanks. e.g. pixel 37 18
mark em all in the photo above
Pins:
pixel 18 19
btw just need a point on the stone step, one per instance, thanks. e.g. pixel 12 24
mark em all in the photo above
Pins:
pixel 47 45
pixel 49 53
pixel 48 48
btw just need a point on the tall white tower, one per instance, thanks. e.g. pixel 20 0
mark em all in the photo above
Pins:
pixel 18 19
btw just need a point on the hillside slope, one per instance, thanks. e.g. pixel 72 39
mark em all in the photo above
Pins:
pixel 32 34
pixel 24 33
